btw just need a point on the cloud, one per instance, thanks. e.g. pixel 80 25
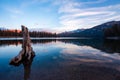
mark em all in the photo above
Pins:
pixel 79 14
pixel 14 13
pixel 15 10
pixel 94 2
pixel 27 3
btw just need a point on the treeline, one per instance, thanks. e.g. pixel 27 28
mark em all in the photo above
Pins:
pixel 42 34
pixel 18 33
pixel 114 31
pixel 10 33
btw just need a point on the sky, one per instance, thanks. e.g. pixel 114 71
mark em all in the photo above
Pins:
pixel 57 15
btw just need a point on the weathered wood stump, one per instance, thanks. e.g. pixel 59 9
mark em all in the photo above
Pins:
pixel 27 51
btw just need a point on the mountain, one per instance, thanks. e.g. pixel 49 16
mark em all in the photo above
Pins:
pixel 70 33
pixel 96 31
pixel 76 31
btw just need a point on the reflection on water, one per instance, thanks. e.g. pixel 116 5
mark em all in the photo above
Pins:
pixel 63 59
pixel 27 66
pixel 10 42
pixel 109 46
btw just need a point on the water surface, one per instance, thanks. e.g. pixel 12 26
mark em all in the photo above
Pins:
pixel 62 59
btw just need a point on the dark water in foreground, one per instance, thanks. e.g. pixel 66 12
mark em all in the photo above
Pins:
pixel 63 59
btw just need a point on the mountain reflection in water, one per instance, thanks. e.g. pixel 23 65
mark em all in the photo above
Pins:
pixel 65 59
pixel 109 46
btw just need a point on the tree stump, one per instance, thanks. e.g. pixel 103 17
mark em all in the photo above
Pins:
pixel 27 51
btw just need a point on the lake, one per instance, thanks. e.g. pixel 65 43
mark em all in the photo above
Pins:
pixel 62 59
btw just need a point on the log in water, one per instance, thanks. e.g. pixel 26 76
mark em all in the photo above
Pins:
pixel 27 51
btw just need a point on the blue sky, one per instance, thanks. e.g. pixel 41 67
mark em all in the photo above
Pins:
pixel 57 15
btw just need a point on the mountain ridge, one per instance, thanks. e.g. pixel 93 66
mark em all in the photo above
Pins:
pixel 96 31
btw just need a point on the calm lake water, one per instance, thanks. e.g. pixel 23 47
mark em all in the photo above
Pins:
pixel 62 59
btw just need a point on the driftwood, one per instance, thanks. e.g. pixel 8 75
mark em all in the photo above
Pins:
pixel 26 55
pixel 27 51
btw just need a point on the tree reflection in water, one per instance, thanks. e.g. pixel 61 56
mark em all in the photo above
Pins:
pixel 109 46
